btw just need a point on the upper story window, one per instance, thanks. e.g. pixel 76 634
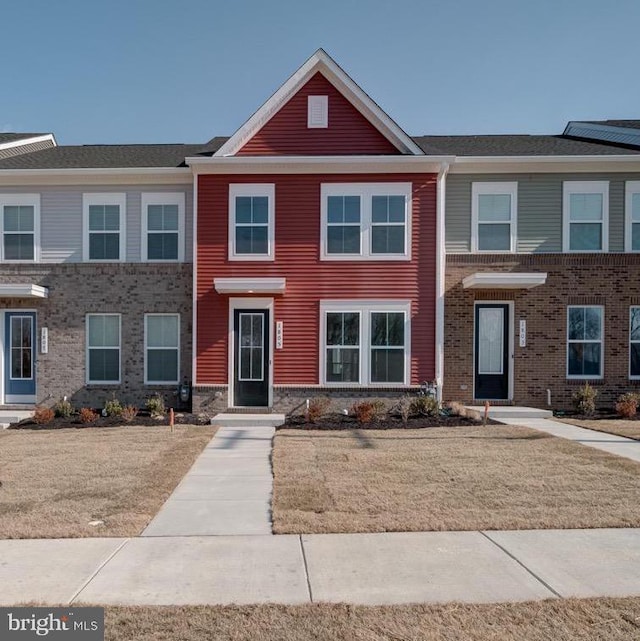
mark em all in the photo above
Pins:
pixel 104 227
pixel 585 341
pixel 585 217
pixel 632 216
pixel 366 221
pixel 318 112
pixel 163 227
pixel 19 221
pixel 251 222
pixel 494 209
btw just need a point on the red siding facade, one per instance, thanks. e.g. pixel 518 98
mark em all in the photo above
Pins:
pixel 349 132
pixel 309 279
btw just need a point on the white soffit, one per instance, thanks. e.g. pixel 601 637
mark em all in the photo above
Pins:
pixel 502 280
pixel 23 290
pixel 250 285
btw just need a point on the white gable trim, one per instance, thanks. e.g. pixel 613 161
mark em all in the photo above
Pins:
pixel 322 62
pixel 29 141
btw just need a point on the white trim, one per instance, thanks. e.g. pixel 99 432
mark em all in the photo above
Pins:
pixel 250 303
pixel 317 112
pixel 584 377
pixel 545 164
pixel 23 290
pixel 21 142
pixel 253 189
pixel 364 308
pixel 146 348
pixel 365 191
pixel 440 275
pixel 15 398
pixel 21 200
pixel 194 293
pixel 262 378
pixel 498 189
pixel 106 198
pixel 504 280
pixel 321 62
pixel 87 348
pixel 631 187
pixel 162 198
pixel 34 345
pixel 570 187
pixel 251 285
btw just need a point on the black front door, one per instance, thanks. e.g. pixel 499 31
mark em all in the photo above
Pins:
pixel 491 352
pixel 251 357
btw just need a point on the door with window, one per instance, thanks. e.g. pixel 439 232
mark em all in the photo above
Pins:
pixel 19 351
pixel 251 358
pixel 491 376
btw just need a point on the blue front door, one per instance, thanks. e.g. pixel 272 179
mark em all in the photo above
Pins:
pixel 19 353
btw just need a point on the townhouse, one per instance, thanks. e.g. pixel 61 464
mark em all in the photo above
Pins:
pixel 321 250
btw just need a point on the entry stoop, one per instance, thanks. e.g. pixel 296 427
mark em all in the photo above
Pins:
pixel 229 419
pixel 498 412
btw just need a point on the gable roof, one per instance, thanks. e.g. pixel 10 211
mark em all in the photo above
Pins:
pixel 321 62
pixel 622 132
pixel 6 137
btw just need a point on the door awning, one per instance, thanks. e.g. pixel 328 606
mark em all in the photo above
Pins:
pixel 250 285
pixel 23 290
pixel 504 280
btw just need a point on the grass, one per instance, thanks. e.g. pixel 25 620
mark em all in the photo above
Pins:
pixel 560 620
pixel 620 427
pixel 464 478
pixel 54 482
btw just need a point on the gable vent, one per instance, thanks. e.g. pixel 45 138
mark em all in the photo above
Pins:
pixel 318 112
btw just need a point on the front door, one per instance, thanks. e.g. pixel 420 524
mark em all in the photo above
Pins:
pixel 19 357
pixel 491 352
pixel 251 357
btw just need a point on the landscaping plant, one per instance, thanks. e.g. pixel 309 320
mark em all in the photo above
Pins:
pixel 403 408
pixel 129 412
pixel 87 415
pixel 64 408
pixel 584 400
pixel 318 406
pixel 156 407
pixel 367 411
pixel 627 405
pixel 425 406
pixel 113 407
pixel 43 415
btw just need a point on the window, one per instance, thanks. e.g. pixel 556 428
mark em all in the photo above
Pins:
pixel 632 216
pixel 103 348
pixel 634 342
pixel 584 342
pixel 318 112
pixel 19 220
pixel 162 348
pixel 494 209
pixel 163 227
pixel 251 222
pixel 366 221
pixel 365 343
pixel 21 341
pixel 585 217
pixel 104 227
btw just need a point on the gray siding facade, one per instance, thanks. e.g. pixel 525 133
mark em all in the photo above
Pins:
pixel 539 209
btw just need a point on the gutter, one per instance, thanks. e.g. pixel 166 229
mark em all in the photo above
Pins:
pixel 440 274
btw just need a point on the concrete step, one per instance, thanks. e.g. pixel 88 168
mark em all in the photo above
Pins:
pixel 8 416
pixel 498 412
pixel 227 419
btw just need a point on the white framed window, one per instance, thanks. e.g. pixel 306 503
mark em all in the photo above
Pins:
pixel 365 342
pixel 585 331
pixel 252 222
pixel 20 227
pixel 632 216
pixel 104 216
pixel 494 213
pixel 317 112
pixel 585 216
pixel 634 342
pixel 365 221
pixel 103 349
pixel 163 227
pixel 161 349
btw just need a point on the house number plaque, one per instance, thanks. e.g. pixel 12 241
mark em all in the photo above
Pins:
pixel 523 333
pixel 279 334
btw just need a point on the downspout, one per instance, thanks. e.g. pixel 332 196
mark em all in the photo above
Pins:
pixel 440 274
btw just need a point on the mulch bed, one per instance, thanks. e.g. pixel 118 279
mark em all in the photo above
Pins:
pixel 142 419
pixel 600 415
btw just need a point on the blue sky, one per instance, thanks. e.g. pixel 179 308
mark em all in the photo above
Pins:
pixel 184 71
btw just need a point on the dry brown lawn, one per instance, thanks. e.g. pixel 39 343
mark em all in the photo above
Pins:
pixel 464 478
pixel 54 482
pixel 621 427
pixel 553 620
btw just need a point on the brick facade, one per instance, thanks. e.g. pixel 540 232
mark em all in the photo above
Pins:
pixel 611 280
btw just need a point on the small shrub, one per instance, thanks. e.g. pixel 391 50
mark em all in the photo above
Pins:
pixel 87 415
pixel 129 412
pixel 425 406
pixel 627 405
pixel 113 407
pixel 63 408
pixel 403 408
pixel 155 405
pixel 584 400
pixel 43 415
pixel 367 411
pixel 318 406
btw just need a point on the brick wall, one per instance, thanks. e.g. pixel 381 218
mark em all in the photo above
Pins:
pixel 611 280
